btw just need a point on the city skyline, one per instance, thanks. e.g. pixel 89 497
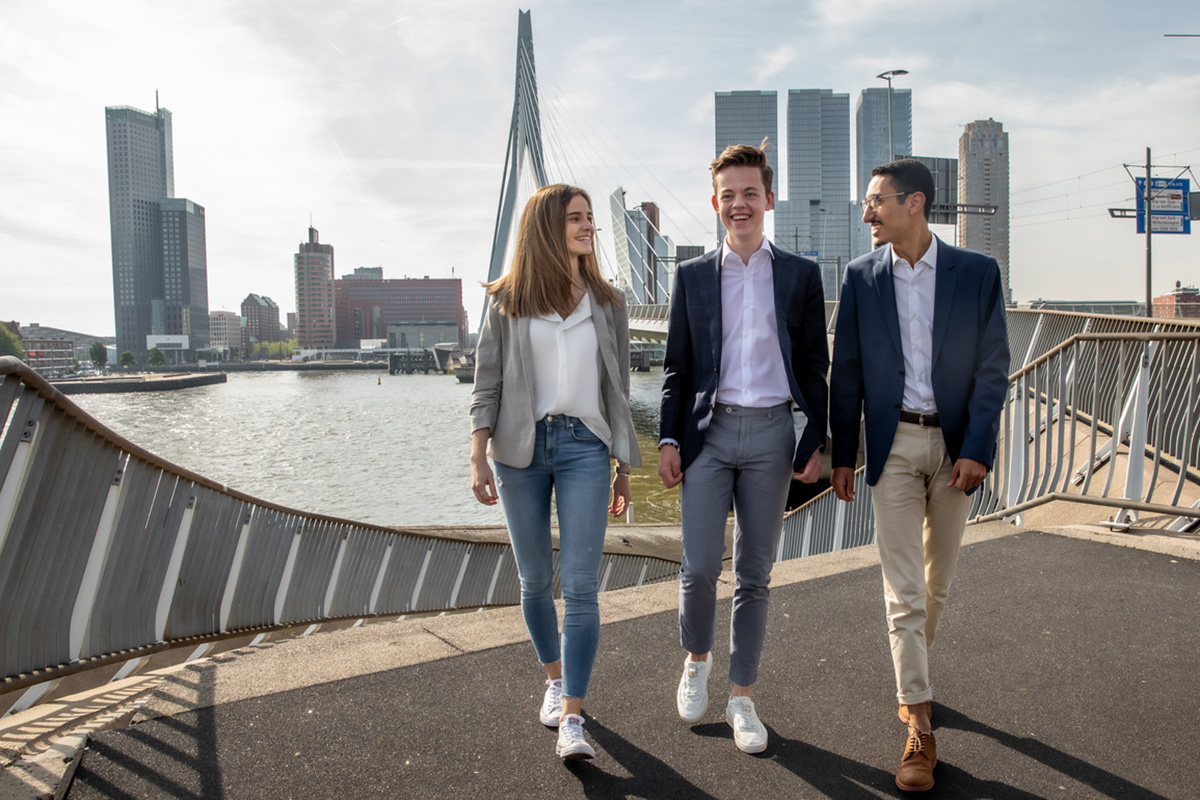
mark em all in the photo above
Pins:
pixel 389 129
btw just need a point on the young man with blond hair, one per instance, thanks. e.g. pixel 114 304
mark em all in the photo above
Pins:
pixel 743 412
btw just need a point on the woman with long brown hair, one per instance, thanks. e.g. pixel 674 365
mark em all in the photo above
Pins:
pixel 551 407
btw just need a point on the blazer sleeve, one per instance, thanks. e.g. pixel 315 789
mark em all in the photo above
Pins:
pixel 810 364
pixel 846 381
pixel 989 384
pixel 489 373
pixel 677 359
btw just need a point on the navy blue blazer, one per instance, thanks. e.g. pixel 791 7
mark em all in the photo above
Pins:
pixel 693 356
pixel 970 357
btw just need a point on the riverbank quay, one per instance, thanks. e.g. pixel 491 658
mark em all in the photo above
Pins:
pixel 1067 665
pixel 289 366
pixel 141 382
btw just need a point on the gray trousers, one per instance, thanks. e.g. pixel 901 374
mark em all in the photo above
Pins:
pixel 746 460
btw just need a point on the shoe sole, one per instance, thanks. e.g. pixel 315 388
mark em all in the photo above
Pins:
pixel 924 788
pixel 753 749
pixel 549 722
pixel 578 755
pixel 691 720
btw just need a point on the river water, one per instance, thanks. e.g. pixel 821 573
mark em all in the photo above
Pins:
pixel 366 446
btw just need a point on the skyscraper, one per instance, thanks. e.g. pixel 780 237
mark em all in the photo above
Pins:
pixel 814 218
pixel 747 117
pixel 160 275
pixel 644 256
pixel 314 293
pixel 983 180
pixel 873 143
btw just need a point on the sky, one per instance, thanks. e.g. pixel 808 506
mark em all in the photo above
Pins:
pixel 384 123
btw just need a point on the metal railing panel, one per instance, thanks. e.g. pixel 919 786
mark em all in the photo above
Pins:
pixel 478 575
pixel 406 566
pixel 444 564
pixel 363 557
pixel 319 544
pixel 195 603
pixel 267 547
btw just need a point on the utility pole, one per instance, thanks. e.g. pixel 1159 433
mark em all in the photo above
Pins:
pixel 1149 217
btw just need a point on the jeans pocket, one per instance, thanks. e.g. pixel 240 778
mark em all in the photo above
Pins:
pixel 582 433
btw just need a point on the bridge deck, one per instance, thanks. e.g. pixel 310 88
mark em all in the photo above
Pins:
pixel 1050 683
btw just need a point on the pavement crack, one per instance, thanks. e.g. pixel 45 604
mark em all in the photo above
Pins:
pixel 435 635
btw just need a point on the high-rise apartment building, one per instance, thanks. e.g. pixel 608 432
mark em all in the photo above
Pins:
pixel 983 181
pixel 260 321
pixel 315 326
pixel 645 257
pixel 160 280
pixel 420 312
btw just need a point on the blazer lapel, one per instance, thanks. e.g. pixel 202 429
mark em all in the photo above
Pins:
pixel 601 319
pixel 784 281
pixel 710 290
pixel 526 349
pixel 881 274
pixel 943 295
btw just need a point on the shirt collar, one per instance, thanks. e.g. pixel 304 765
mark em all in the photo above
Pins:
pixel 929 259
pixel 727 251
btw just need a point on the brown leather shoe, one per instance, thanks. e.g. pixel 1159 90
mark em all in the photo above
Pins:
pixel 916 767
pixel 903 713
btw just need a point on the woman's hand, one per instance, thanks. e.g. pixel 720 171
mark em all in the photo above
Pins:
pixel 622 496
pixel 483 483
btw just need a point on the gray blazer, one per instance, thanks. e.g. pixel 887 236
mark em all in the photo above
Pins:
pixel 503 395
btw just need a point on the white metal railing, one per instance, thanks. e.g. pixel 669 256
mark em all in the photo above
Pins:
pixel 1084 390
pixel 109 553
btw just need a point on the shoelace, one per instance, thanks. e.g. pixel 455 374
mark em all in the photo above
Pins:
pixel 694 683
pixel 916 742
pixel 572 731
pixel 741 717
pixel 554 696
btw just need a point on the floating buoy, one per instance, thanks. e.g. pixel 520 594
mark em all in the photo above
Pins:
pixel 379 381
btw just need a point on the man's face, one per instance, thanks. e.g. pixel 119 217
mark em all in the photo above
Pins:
pixel 742 200
pixel 890 216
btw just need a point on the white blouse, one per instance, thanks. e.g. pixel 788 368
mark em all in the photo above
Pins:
pixel 566 368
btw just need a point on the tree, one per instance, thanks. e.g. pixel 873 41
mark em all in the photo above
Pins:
pixel 128 359
pixel 156 358
pixel 10 345
pixel 99 354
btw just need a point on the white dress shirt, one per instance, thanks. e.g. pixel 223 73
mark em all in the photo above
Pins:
pixel 914 308
pixel 752 372
pixel 566 368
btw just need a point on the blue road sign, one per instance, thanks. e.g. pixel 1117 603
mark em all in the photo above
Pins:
pixel 1168 205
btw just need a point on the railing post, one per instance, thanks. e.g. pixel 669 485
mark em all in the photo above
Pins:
pixel 235 572
pixel 171 580
pixel 335 575
pixel 1019 450
pixel 387 557
pixel 14 481
pixel 89 585
pixel 285 582
pixel 1134 472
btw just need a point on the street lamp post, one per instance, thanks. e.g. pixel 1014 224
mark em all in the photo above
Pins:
pixel 887 76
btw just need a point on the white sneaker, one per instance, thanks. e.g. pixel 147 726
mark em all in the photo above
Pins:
pixel 692 697
pixel 571 743
pixel 749 734
pixel 551 704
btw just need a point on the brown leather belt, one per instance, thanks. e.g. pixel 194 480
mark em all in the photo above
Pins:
pixel 916 418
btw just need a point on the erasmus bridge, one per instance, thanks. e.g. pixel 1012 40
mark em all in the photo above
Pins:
pixel 237 647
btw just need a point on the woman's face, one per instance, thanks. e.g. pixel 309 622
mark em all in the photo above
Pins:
pixel 580 229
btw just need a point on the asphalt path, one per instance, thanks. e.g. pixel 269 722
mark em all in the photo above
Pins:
pixel 1063 669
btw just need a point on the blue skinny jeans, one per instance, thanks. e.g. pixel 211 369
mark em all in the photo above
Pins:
pixel 572 463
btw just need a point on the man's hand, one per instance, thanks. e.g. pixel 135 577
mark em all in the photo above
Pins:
pixel 668 466
pixel 812 470
pixel 967 474
pixel 843 483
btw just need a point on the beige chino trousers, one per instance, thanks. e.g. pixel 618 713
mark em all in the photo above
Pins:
pixel 918 527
